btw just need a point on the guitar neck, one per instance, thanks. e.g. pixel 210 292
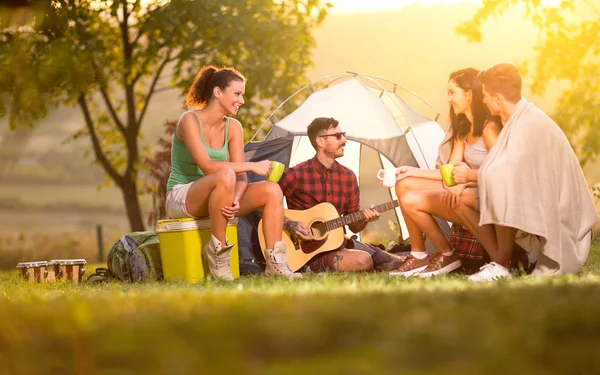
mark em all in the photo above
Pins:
pixel 358 216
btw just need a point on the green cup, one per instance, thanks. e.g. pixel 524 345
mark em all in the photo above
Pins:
pixel 447 175
pixel 276 171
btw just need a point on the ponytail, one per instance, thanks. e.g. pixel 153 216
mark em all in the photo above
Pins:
pixel 209 77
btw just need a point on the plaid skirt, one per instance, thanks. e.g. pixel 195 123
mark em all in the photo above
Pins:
pixel 473 255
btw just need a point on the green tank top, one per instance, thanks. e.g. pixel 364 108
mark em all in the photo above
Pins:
pixel 183 167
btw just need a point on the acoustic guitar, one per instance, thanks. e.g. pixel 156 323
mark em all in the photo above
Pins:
pixel 326 227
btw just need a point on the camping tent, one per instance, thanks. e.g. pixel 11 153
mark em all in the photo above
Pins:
pixel 382 130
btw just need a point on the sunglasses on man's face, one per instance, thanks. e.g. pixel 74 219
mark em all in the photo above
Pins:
pixel 337 136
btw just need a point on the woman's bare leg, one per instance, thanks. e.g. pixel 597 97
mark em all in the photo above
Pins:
pixel 417 183
pixel 485 234
pixel 417 241
pixel 208 195
pixel 266 195
pixel 421 206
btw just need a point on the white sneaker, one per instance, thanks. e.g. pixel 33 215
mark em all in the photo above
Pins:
pixel 218 257
pixel 277 263
pixel 490 272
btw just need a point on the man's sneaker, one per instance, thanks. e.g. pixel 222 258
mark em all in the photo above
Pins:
pixel 411 266
pixel 490 272
pixel 277 263
pixel 441 264
pixel 217 257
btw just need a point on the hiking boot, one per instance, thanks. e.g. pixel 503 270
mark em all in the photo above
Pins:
pixel 441 264
pixel 411 266
pixel 277 264
pixel 218 257
pixel 490 272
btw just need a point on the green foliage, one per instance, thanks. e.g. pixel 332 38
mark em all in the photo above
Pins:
pixel 568 50
pixel 111 57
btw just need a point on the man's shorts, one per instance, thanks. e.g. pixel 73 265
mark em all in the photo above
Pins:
pixel 175 202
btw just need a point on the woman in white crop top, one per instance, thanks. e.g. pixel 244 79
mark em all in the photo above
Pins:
pixel 421 192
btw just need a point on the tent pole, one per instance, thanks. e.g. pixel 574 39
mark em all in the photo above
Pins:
pixel 270 118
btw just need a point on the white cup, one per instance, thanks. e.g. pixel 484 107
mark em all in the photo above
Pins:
pixel 387 176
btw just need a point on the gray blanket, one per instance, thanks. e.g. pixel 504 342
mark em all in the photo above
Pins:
pixel 531 180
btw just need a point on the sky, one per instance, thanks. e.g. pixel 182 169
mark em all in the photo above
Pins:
pixel 355 6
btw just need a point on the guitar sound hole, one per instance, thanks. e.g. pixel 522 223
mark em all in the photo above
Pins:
pixel 318 229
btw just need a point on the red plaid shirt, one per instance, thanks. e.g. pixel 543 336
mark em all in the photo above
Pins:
pixel 310 183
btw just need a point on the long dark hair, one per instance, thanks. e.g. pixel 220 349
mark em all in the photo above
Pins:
pixel 206 80
pixel 467 80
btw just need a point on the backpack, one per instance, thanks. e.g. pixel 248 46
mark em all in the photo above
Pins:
pixel 135 257
pixel 252 262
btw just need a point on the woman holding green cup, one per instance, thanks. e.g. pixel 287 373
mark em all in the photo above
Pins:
pixel 208 171
pixel 276 172
pixel 424 194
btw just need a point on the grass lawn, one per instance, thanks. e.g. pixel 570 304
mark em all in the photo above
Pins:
pixel 327 323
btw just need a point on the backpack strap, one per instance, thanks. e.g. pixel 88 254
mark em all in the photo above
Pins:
pixel 102 275
pixel 128 244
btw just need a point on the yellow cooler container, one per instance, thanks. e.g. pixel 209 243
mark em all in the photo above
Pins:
pixel 181 242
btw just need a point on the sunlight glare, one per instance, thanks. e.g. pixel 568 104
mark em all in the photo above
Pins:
pixel 357 6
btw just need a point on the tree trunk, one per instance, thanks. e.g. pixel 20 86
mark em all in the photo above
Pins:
pixel 132 205
pixel 127 182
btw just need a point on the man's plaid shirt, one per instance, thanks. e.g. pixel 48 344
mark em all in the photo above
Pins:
pixel 310 183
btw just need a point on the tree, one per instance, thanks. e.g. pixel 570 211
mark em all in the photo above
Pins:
pixel 567 50
pixel 159 167
pixel 109 58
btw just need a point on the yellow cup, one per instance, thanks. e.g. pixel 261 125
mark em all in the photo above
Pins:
pixel 447 175
pixel 276 171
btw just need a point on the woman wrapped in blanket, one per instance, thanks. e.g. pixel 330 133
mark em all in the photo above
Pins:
pixel 422 193
pixel 208 175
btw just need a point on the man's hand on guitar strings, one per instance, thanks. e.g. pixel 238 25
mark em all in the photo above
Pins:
pixel 371 214
pixel 297 228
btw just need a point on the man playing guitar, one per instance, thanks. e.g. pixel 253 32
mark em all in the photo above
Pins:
pixel 323 179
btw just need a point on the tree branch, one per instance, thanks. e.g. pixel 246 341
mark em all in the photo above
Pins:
pixel 141 73
pixel 151 89
pixel 111 109
pixel 165 88
pixel 137 38
pixel 125 29
pixel 113 114
pixel 127 84
pixel 127 47
pixel 108 167
pixel 176 57
pixel 141 32
pixel 132 130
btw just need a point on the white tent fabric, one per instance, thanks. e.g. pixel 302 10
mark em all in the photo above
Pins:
pixel 426 139
pixel 335 101
pixel 382 130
